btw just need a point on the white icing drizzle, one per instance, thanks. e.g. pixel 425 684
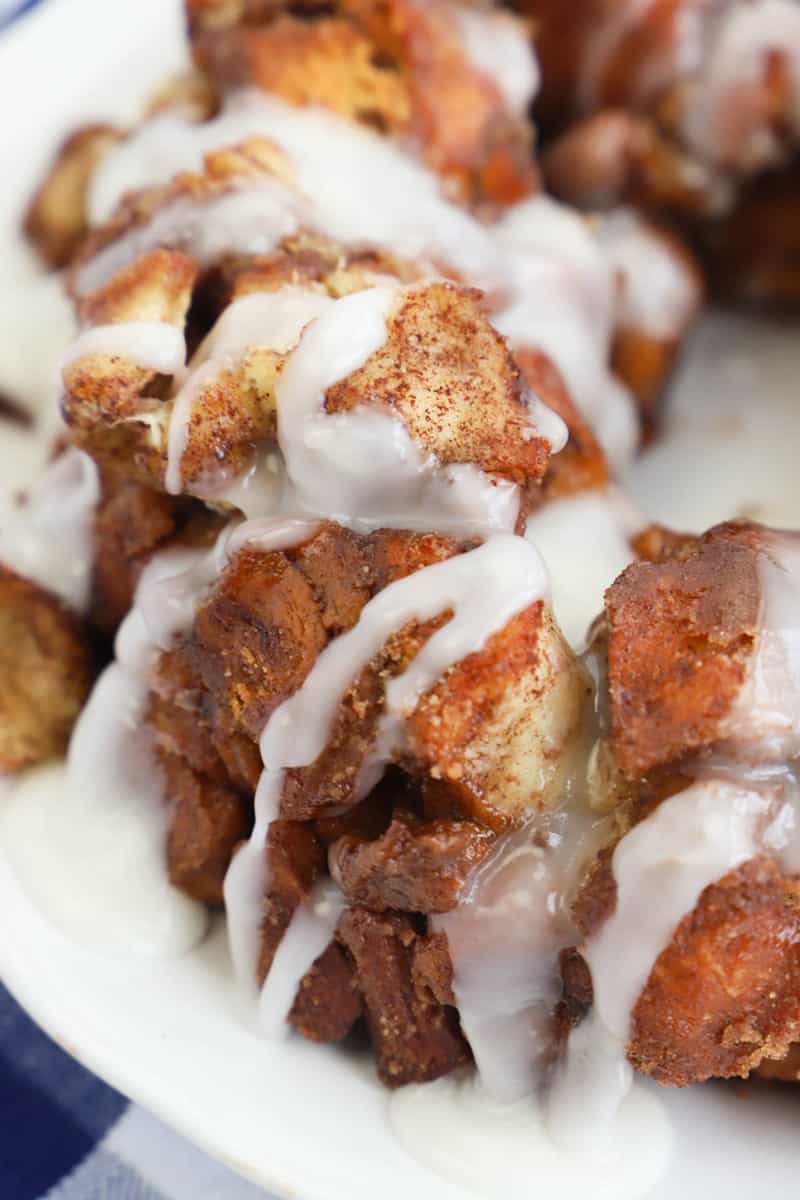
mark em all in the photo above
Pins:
pixel 764 724
pixel 310 932
pixel 498 47
pixel 504 1151
pixel 484 589
pixel 658 294
pixel 397 204
pixel 49 539
pixel 155 345
pixel 562 300
pixel 540 265
pixel 691 840
pixel 585 540
pixel 268 321
pixel 251 218
pixel 106 817
pixel 360 468
pixel 505 938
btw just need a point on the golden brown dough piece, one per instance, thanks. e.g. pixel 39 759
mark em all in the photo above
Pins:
pixel 443 370
pixel 415 1038
pixel 406 68
pixel 741 941
pixel 681 634
pixel 481 734
pixel 402 66
pixel 328 1002
pixel 207 821
pixel 686 636
pixel 723 996
pixel 581 465
pixel 483 752
pixel 47 668
pixel 56 220
pixel 782 1070
pixel 414 866
pixel 131 524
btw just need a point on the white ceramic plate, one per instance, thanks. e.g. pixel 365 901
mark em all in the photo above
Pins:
pixel 307 1122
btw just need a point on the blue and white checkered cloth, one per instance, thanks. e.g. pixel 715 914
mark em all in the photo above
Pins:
pixel 65 1135
pixel 9 9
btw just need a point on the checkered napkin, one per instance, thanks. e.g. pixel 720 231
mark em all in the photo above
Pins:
pixel 64 1135
pixel 9 9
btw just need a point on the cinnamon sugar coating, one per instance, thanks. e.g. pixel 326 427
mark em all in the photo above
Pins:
pixel 722 997
pixel 482 749
pixel 443 371
pixel 681 634
pixel 414 1037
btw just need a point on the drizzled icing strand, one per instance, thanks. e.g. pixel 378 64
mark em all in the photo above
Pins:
pixel 154 345
pixel 764 721
pixel 484 588
pixel 269 321
pixel 504 940
pixel 540 266
pixel 360 468
pixel 251 218
pixel 692 840
pixel 49 540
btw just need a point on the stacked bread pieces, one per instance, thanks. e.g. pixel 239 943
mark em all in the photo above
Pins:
pixel 336 349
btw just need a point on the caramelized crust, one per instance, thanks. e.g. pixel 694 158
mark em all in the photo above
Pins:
pixel 206 822
pixel 655 543
pixel 178 713
pixel 432 968
pixel 783 1070
pixel 328 1003
pixel 681 633
pixel 722 997
pixel 741 941
pixel 493 733
pixel 259 636
pixel 296 860
pixel 46 672
pixel 414 1037
pixel 413 867
pixel 131 524
pixel 581 465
